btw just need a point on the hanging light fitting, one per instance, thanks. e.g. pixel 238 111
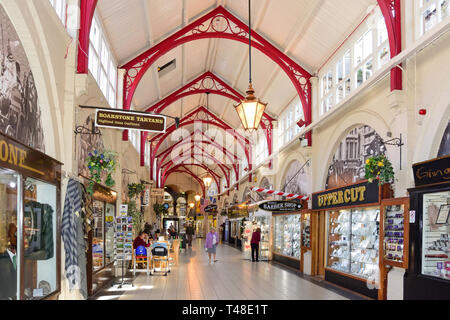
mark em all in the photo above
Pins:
pixel 251 109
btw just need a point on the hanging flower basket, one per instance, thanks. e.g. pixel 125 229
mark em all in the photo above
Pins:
pixel 379 167
pixel 99 163
pixel 135 189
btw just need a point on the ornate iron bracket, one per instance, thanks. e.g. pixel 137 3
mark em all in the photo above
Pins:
pixel 83 130
pixel 396 142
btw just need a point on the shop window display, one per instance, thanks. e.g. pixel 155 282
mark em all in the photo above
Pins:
pixel 395 232
pixel 39 238
pixel 306 230
pixel 436 235
pixel 9 262
pixel 109 232
pixel 97 237
pixel 262 222
pixel 287 235
pixel 353 241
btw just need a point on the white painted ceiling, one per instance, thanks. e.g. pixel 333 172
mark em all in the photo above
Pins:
pixel 308 31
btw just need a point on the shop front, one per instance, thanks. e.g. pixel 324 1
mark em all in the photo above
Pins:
pixel 30 240
pixel 237 214
pixel 352 234
pixel 100 257
pixel 286 221
pixel 258 219
pixel 171 221
pixel 428 275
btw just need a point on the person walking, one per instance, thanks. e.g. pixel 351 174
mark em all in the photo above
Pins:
pixel 256 238
pixel 212 240
pixel 189 234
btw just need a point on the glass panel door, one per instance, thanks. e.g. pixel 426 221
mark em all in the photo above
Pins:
pixel 9 235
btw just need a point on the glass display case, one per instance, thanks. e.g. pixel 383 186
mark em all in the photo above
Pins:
pixel 306 231
pixel 262 222
pixel 353 241
pixel 287 235
pixel 395 232
pixel 436 235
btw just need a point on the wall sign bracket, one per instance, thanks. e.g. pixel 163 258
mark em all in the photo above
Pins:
pixel 396 142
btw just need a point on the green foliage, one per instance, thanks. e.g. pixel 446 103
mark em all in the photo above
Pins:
pixel 136 215
pixel 135 189
pixel 379 168
pixel 99 162
pixel 159 209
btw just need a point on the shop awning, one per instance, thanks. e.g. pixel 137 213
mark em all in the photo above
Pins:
pixel 279 193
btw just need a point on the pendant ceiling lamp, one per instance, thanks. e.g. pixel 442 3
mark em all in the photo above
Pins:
pixel 207 181
pixel 197 197
pixel 251 109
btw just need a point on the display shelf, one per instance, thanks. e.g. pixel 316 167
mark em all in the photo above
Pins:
pixel 287 240
pixel 394 232
pixel 354 251
pixel 436 235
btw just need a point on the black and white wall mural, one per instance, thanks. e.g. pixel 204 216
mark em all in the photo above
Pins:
pixel 444 148
pixel 246 195
pixel 265 184
pixel 348 163
pixel 296 180
pixel 20 113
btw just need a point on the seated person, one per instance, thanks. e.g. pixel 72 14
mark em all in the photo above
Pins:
pixel 141 240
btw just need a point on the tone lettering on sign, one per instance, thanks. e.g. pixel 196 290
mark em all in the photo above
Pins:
pixel 280 206
pixel 16 156
pixel 129 120
pixel 361 193
pixel 432 172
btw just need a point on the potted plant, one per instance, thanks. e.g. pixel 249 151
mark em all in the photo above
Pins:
pixel 136 215
pixel 99 163
pixel 135 189
pixel 160 209
pixel 379 168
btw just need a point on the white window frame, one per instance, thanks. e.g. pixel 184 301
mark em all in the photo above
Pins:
pixel 261 150
pixel 60 7
pixel 147 153
pixel 333 89
pixel 288 127
pixel 104 70
pixel 425 8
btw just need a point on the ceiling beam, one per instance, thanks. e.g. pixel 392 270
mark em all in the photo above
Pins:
pixel 150 43
pixel 244 58
pixel 294 37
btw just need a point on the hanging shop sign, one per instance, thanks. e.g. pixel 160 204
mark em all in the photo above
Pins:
pixel 211 208
pixel 363 193
pixel 16 156
pixel 430 172
pixel 146 197
pixel 156 192
pixel 123 210
pixel 281 206
pixel 129 120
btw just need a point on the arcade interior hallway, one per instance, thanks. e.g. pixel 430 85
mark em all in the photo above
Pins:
pixel 231 278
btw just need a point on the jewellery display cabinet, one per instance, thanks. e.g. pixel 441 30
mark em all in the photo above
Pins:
pixel 395 232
